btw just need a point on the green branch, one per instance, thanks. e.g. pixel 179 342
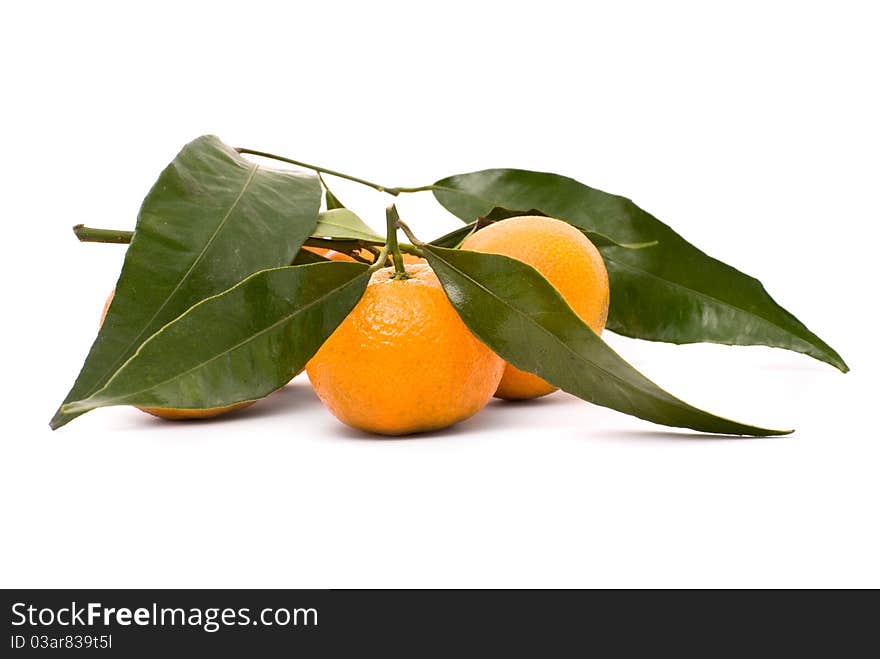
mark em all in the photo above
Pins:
pixel 391 220
pixel 394 191
pixel 89 235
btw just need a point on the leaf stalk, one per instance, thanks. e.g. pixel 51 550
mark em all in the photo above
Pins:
pixel 393 191
pixel 320 170
pixel 409 234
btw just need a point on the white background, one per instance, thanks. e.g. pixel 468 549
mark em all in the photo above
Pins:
pixel 752 128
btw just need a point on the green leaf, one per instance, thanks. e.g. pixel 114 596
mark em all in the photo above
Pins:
pixel 330 200
pixel 240 345
pixel 671 292
pixel 517 313
pixel 601 240
pixel 211 219
pixel 343 224
pixel 598 239
pixel 455 238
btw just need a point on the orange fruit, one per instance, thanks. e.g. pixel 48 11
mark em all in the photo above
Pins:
pixel 567 259
pixel 331 254
pixel 403 361
pixel 176 414
pixel 320 251
pixel 173 413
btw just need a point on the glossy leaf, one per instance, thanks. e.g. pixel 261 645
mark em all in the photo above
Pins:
pixel 670 292
pixel 343 224
pixel 517 313
pixel 240 345
pixel 598 239
pixel 211 219
pixel 455 238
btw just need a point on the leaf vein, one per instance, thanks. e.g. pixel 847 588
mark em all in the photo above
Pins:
pixel 186 275
pixel 220 354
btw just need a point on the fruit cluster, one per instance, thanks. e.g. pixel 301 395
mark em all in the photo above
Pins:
pixel 235 280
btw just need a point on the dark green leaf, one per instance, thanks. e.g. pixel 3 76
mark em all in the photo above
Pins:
pixel 601 240
pixel 240 345
pixel 517 313
pixel 455 238
pixel 305 257
pixel 211 219
pixel 670 292
pixel 598 239
pixel 342 224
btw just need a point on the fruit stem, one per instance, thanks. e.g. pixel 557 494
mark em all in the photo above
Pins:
pixel 409 234
pixel 89 235
pixel 380 259
pixel 391 220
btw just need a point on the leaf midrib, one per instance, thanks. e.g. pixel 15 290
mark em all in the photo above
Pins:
pixel 674 283
pixel 95 388
pixel 528 317
pixel 702 294
pixel 220 354
pixel 626 385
